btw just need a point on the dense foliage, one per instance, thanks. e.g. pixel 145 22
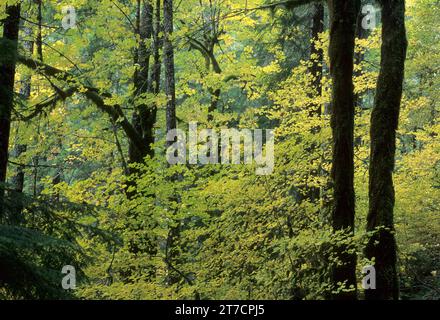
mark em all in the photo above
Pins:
pixel 153 231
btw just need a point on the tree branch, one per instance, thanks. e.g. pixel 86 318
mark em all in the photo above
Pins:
pixel 287 3
pixel 114 111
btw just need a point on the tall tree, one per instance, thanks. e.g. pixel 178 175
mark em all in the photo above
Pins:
pixel 171 123
pixel 343 14
pixel 384 123
pixel 170 85
pixel 8 48
pixel 39 40
pixel 144 116
pixel 157 46
pixel 20 148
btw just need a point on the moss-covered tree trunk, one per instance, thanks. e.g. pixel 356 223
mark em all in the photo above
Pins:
pixel 146 83
pixel 384 122
pixel 8 53
pixel 144 116
pixel 18 178
pixel 343 14
pixel 170 86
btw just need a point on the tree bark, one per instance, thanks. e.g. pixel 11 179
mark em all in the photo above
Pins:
pixel 39 40
pixel 384 123
pixel 170 86
pixel 17 179
pixel 157 45
pixel 343 15
pixel 25 92
pixel 144 116
pixel 143 121
pixel 7 71
pixel 171 123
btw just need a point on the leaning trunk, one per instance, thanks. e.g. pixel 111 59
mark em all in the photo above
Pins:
pixel 384 122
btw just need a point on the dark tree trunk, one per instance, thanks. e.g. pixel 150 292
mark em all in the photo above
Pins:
pixel 39 41
pixel 143 117
pixel 170 86
pixel 148 111
pixel 343 15
pixel 157 45
pixel 143 121
pixel 215 94
pixel 384 122
pixel 25 92
pixel 17 180
pixel 8 50
pixel 215 97
pixel 171 123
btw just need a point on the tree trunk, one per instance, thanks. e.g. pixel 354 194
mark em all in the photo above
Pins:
pixel 148 111
pixel 384 123
pixel 7 71
pixel 143 121
pixel 143 117
pixel 157 45
pixel 170 91
pixel 343 15
pixel 17 180
pixel 215 94
pixel 170 86
pixel 19 149
pixel 39 41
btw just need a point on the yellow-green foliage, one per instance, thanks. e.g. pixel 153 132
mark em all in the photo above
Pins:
pixel 239 235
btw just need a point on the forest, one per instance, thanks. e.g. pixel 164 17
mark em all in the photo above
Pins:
pixel 220 149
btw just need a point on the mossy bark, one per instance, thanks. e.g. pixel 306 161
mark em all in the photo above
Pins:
pixel 384 122
pixel 8 52
pixel 343 15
